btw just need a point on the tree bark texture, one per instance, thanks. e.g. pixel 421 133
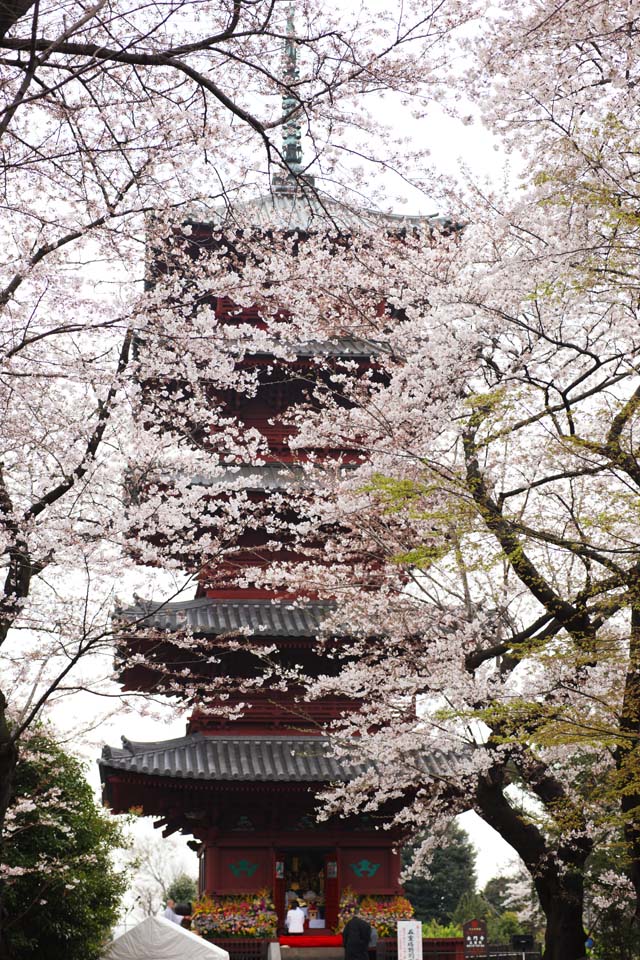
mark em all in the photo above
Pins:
pixel 558 880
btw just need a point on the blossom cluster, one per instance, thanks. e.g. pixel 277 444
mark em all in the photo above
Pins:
pixel 250 915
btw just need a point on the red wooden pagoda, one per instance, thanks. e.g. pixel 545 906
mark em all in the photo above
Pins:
pixel 246 788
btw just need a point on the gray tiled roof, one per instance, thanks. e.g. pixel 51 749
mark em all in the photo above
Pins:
pixel 198 757
pixel 277 211
pixel 267 477
pixel 272 476
pixel 340 347
pixel 213 617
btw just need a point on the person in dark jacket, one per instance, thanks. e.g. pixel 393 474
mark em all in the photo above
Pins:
pixel 355 938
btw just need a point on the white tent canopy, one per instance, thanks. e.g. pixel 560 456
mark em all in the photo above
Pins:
pixel 159 939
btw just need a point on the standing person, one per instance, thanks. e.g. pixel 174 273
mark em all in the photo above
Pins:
pixel 170 912
pixel 373 944
pixel 294 921
pixel 355 938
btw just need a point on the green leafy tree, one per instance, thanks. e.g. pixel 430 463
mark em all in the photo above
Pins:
pixel 492 906
pixel 501 928
pixel 472 906
pixel 497 893
pixel 609 904
pixel 182 889
pixel 515 907
pixel 452 874
pixel 615 936
pixel 61 889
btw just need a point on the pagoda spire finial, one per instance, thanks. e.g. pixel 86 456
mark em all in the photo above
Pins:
pixel 291 132
pixel 291 127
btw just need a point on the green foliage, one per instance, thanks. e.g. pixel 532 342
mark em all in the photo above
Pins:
pixel 501 928
pixel 472 906
pixel 500 925
pixel 435 929
pixel 63 892
pixel 395 495
pixel 423 556
pixel 452 874
pixel 515 907
pixel 490 906
pixel 610 906
pixel 616 936
pixel 496 893
pixel 182 889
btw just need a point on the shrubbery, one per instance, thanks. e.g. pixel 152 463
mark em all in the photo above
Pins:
pixel 61 890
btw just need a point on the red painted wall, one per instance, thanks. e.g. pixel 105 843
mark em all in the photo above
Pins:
pixel 369 869
pixel 237 869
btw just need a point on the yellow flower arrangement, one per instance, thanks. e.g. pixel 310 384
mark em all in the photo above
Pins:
pixel 250 915
pixel 382 912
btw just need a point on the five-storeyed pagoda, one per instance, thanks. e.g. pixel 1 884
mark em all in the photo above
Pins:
pixel 246 788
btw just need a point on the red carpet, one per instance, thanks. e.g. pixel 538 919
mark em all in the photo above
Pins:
pixel 312 940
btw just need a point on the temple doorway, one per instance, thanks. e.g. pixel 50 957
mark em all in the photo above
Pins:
pixel 308 875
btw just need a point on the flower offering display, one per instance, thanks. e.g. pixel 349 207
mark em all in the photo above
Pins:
pixel 381 912
pixel 250 915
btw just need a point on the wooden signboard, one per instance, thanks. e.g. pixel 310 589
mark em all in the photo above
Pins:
pixel 409 940
pixel 474 933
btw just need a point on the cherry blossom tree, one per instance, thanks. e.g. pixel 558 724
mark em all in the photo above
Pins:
pixel 113 118
pixel 487 534
pixel 485 524
pixel 159 865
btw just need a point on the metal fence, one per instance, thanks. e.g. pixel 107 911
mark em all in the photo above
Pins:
pixel 504 951
pixel 452 948
pixel 445 948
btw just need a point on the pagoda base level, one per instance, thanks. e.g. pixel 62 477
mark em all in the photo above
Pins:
pixel 437 948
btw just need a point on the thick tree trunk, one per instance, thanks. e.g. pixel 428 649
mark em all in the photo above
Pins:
pixel 11 11
pixel 5 952
pixel 8 761
pixel 627 754
pixel 558 881
pixel 561 901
